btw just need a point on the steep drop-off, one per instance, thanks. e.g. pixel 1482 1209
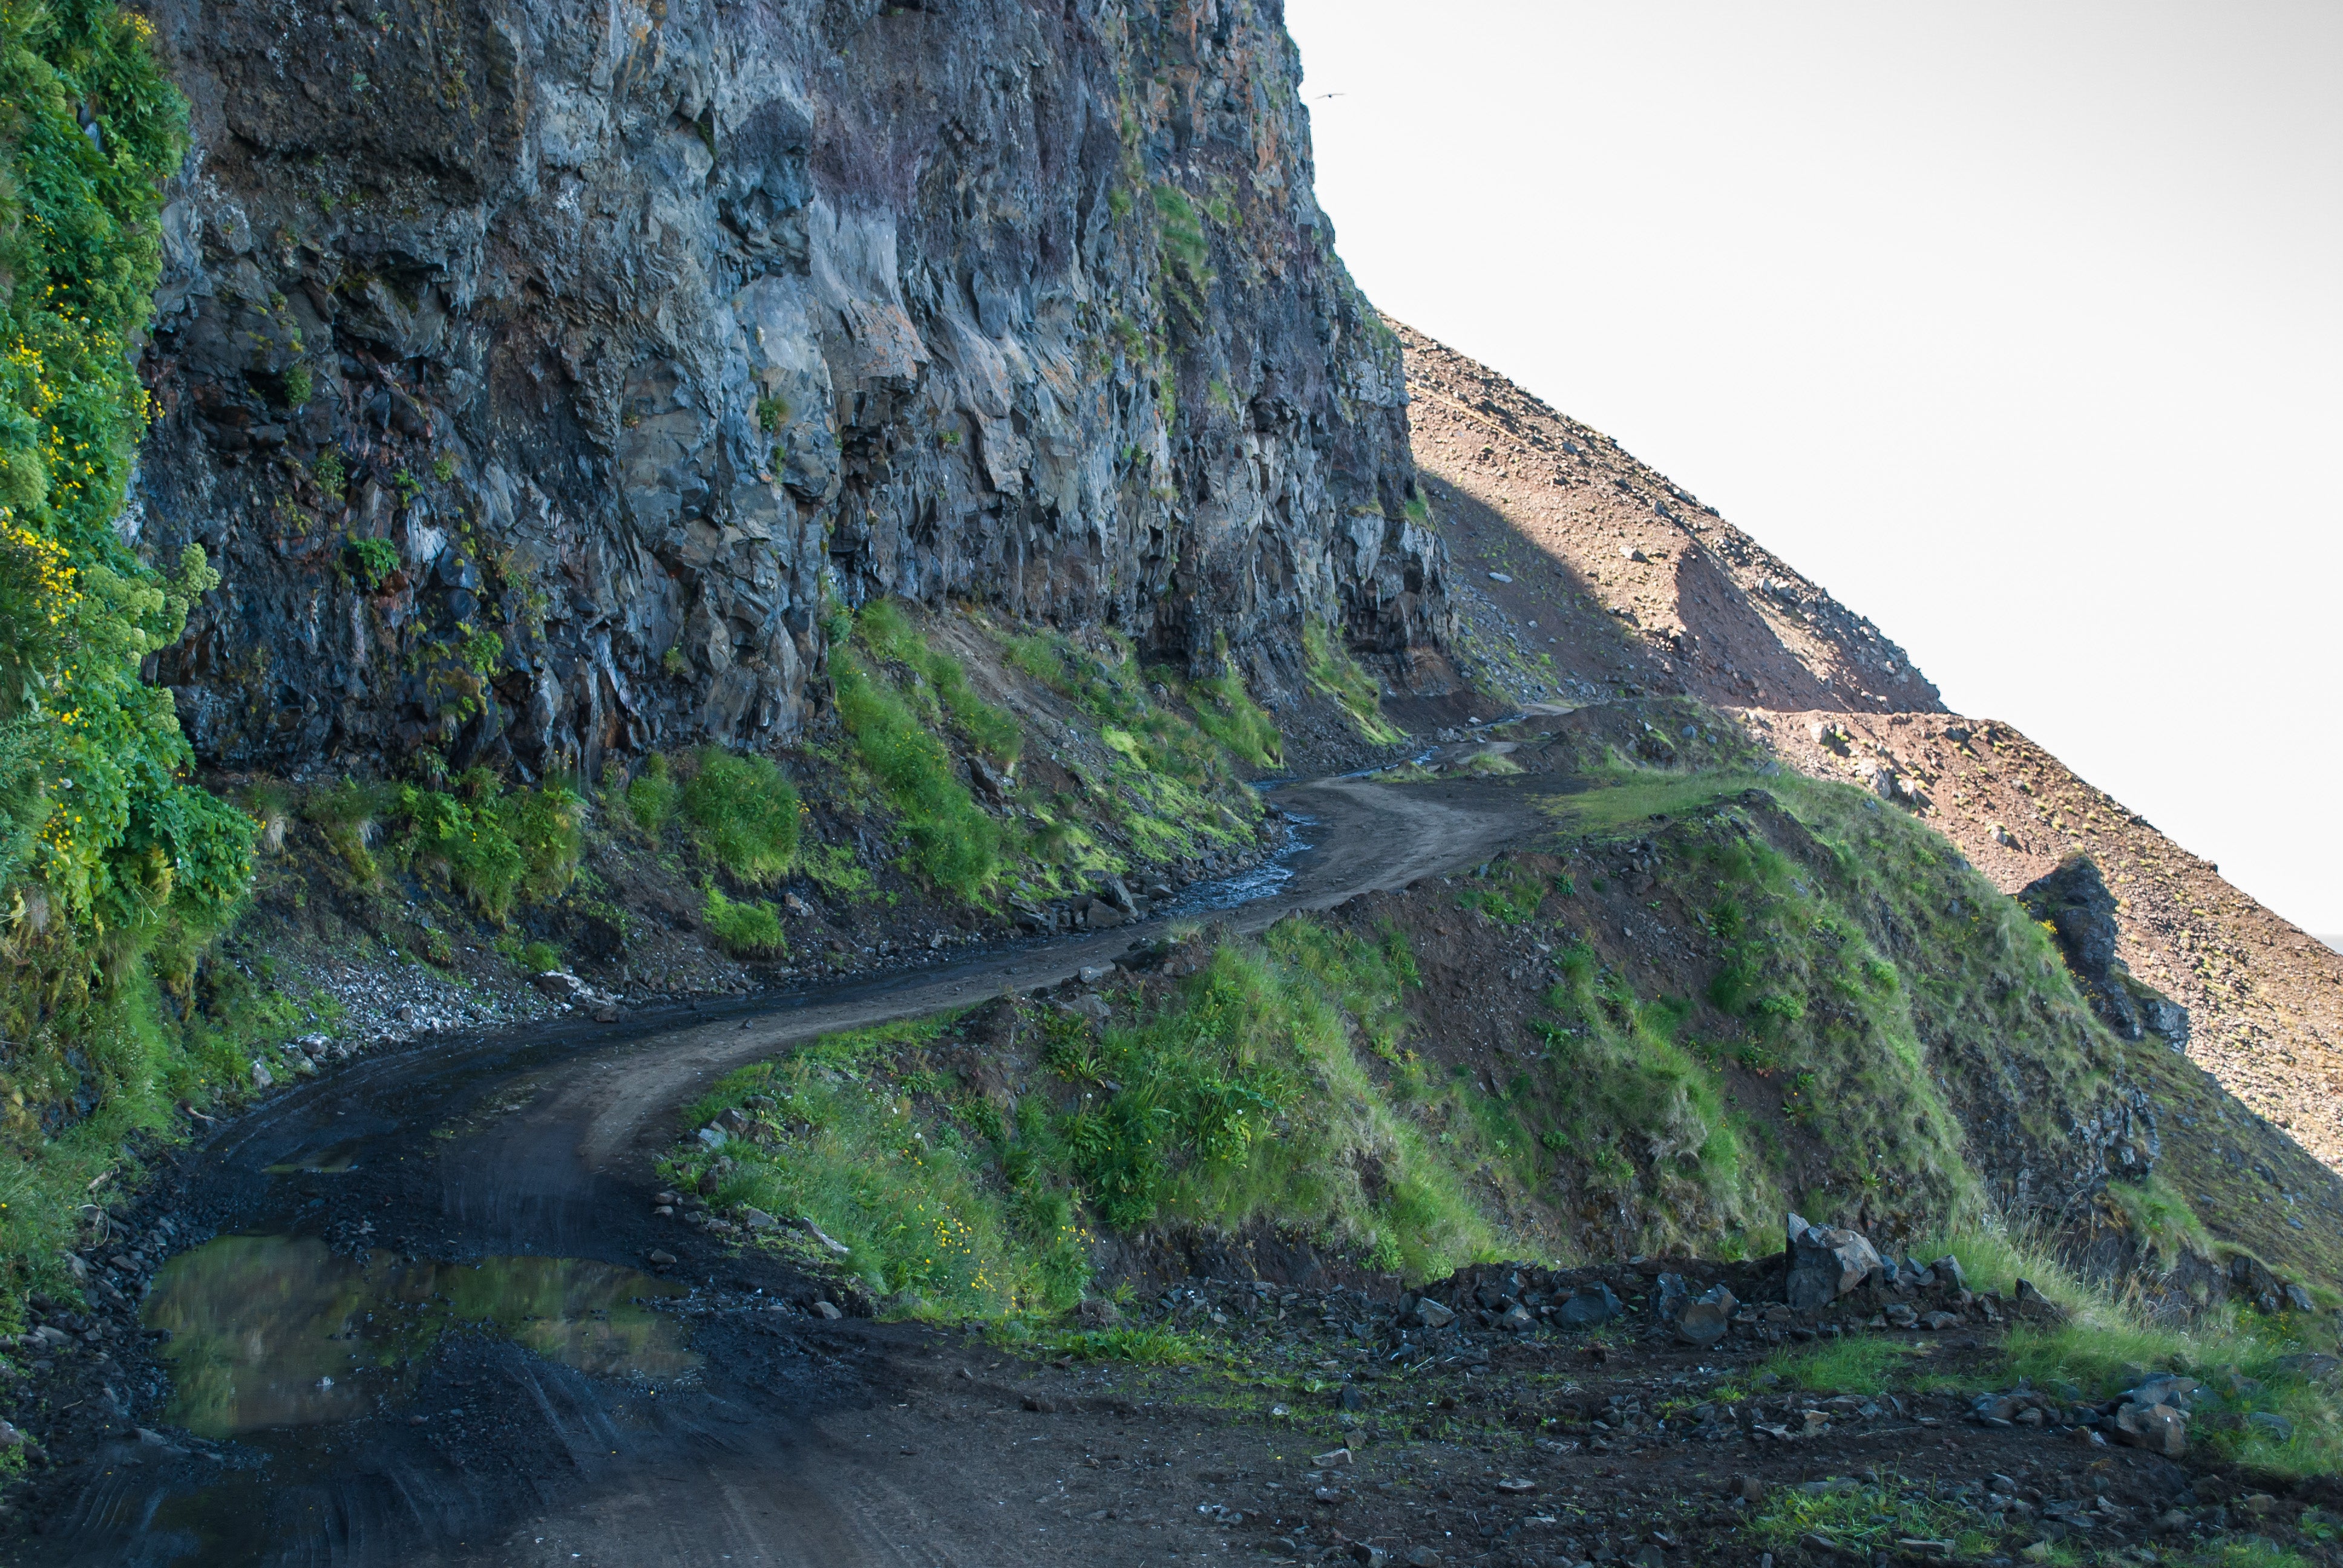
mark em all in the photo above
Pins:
pixel 537 374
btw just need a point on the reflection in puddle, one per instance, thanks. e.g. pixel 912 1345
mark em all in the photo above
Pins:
pixel 281 1331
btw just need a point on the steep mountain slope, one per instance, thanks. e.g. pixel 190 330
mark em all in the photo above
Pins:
pixel 1631 581
pixel 1560 510
pixel 536 377
pixel 2264 998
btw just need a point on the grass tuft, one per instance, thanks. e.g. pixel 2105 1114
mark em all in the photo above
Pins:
pixel 742 814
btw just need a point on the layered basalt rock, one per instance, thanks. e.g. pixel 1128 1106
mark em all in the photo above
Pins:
pixel 541 378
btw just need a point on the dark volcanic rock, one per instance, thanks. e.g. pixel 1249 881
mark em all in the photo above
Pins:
pixel 2075 901
pixel 540 378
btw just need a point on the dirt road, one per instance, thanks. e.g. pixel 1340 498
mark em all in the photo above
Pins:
pixel 790 1441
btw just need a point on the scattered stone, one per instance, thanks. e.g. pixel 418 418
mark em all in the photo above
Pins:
pixel 1098 1313
pixel 827 1311
pixel 1516 1484
pixel 1422 1557
pixel 1947 1268
pixel 1330 1459
pixel 1432 1314
pixel 660 1259
pixel 757 1219
pixel 2277 1427
pixel 1498 577
pixel 261 1076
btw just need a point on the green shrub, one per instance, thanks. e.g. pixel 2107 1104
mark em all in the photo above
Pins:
pixel 744 929
pixel 743 814
pixel 370 561
pixel 496 849
pixel 652 796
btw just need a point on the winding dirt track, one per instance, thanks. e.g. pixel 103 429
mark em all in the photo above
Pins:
pixel 790 1448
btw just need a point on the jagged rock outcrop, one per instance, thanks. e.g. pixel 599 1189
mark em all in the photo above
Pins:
pixel 538 373
pixel 2074 901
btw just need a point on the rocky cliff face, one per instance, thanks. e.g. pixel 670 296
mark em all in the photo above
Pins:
pixel 538 373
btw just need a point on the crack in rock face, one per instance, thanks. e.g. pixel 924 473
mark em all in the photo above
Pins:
pixel 540 382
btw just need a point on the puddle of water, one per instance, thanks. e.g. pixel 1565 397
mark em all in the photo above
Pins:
pixel 1247 886
pixel 281 1331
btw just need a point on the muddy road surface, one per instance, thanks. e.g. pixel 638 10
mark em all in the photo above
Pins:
pixel 420 1310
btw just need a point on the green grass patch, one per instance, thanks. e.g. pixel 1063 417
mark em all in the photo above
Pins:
pixel 741 813
pixel 1851 1366
pixel 1226 711
pixel 1334 672
pixel 1245 1097
pixel 938 682
pixel 954 844
pixel 916 1198
pixel 1169 789
pixel 651 798
pixel 1867 1517
pixel 745 929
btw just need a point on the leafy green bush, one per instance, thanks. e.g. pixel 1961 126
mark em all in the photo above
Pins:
pixel 743 814
pixel 749 930
pixel 496 849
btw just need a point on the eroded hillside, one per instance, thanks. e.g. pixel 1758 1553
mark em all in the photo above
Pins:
pixel 1579 571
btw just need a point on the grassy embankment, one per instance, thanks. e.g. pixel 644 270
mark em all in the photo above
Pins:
pixel 1864 968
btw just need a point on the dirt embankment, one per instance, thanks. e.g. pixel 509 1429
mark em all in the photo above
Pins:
pixel 2264 998
pixel 1621 577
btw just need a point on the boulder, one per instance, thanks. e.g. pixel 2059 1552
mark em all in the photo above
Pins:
pixel 2075 902
pixel 1707 1319
pixel 2158 1428
pixel 1592 1305
pixel 1825 1264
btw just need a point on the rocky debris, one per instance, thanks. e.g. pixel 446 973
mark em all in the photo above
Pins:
pixel 562 987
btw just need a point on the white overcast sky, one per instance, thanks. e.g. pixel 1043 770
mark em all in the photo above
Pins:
pixel 2016 326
